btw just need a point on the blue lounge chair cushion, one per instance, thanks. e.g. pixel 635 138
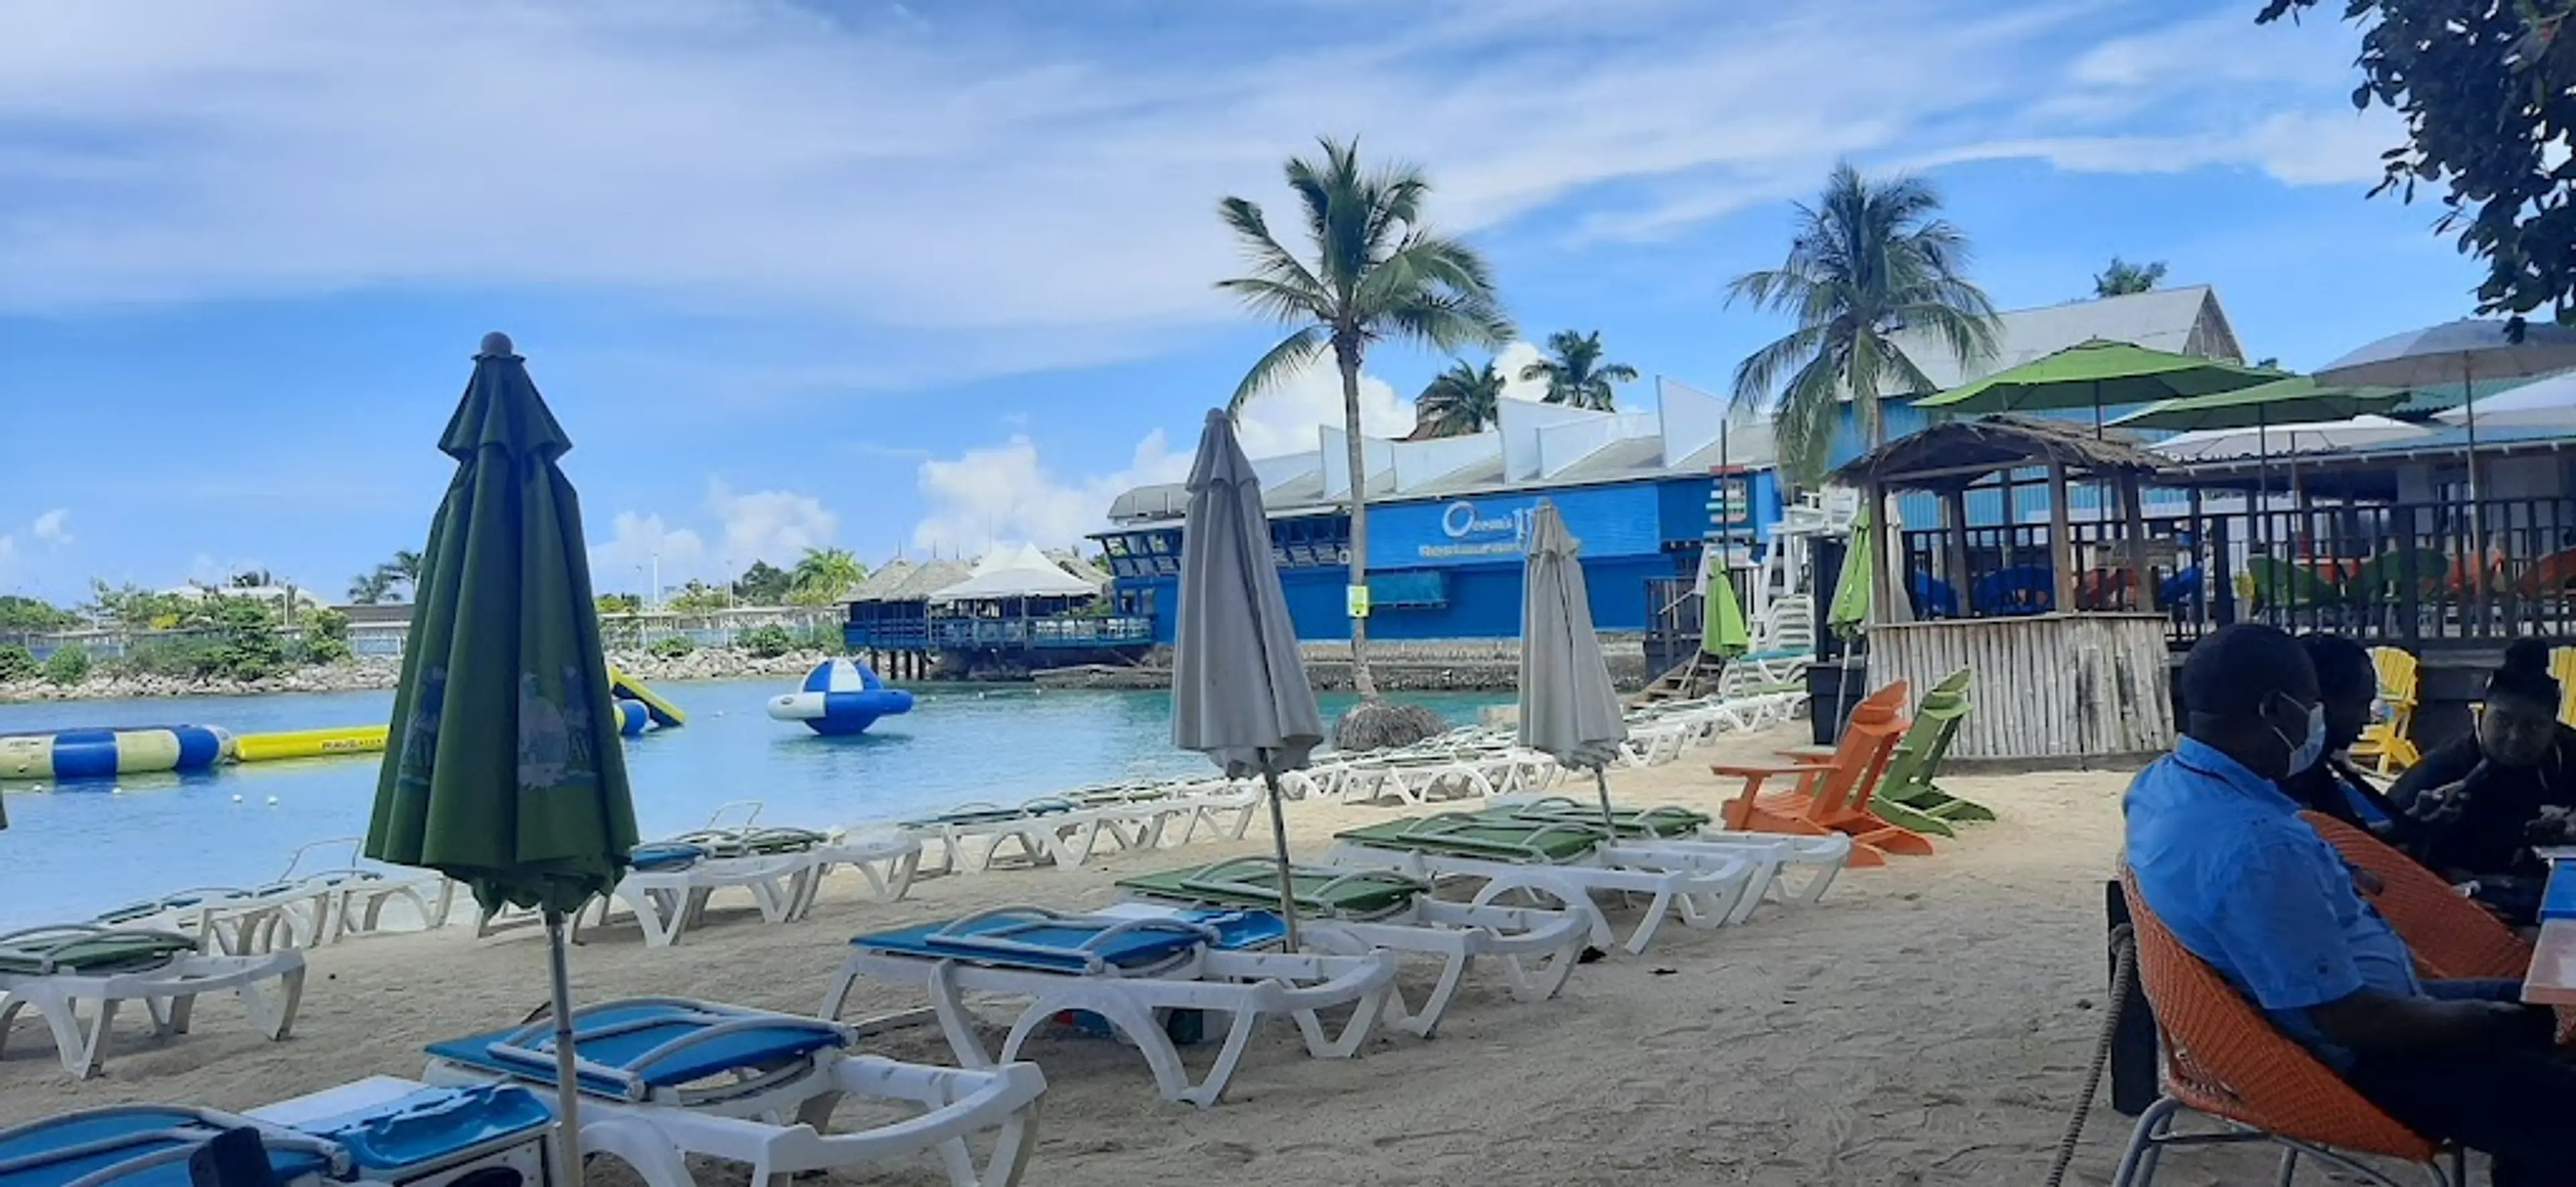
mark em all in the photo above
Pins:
pixel 785 1038
pixel 129 1133
pixel 666 855
pixel 433 1124
pixel 1072 939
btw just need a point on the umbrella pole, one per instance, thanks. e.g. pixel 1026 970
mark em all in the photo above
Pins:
pixel 1279 848
pixel 567 1068
pixel 1601 780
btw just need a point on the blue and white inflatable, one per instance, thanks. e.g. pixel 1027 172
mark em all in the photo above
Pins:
pixel 841 697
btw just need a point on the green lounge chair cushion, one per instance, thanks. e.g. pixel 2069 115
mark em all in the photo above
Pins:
pixel 1630 822
pixel 44 952
pixel 1463 835
pixel 1254 882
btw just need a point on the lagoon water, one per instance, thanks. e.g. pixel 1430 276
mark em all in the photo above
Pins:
pixel 69 854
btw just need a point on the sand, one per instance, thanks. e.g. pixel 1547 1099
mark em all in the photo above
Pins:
pixel 1928 1023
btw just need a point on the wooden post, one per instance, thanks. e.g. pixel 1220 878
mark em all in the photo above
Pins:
pixel 1881 580
pixel 1954 508
pixel 2004 482
pixel 2133 508
pixel 2061 541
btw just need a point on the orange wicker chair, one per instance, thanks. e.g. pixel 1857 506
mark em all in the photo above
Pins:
pixel 2450 936
pixel 2223 1059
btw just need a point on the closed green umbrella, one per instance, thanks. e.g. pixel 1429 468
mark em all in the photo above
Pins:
pixel 1851 590
pixel 1722 632
pixel 504 769
pixel 2098 373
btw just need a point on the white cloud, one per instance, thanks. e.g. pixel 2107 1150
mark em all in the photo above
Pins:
pixel 50 527
pixel 1283 420
pixel 759 152
pixel 1511 361
pixel 1005 492
pixel 771 525
pixel 637 545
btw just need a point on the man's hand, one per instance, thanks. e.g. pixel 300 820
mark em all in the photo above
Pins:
pixel 2444 804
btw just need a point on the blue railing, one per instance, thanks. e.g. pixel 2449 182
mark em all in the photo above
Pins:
pixel 1005 634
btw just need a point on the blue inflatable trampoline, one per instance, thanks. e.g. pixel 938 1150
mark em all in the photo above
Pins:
pixel 841 697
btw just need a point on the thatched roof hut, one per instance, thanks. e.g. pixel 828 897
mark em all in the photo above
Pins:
pixel 1949 457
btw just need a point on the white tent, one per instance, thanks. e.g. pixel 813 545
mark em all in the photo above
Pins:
pixel 1015 572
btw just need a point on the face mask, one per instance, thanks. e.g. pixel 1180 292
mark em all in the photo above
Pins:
pixel 2305 752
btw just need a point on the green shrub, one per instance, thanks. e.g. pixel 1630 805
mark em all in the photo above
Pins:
pixel 326 638
pixel 68 665
pixel 826 637
pixel 675 647
pixel 765 642
pixel 16 664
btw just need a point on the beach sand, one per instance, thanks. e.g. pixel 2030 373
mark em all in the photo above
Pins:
pixel 1928 1023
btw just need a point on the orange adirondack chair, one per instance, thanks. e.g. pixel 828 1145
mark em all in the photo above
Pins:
pixel 2223 1059
pixel 1832 792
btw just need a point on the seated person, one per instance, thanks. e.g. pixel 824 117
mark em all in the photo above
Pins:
pixel 2348 684
pixel 2474 805
pixel 2222 858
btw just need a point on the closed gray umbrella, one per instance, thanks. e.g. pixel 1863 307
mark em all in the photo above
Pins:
pixel 1239 691
pixel 1568 709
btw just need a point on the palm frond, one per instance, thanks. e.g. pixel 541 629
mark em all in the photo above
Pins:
pixel 1757 378
pixel 1279 302
pixel 1808 413
pixel 1295 351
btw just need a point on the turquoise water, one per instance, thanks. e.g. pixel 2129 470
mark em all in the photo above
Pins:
pixel 70 854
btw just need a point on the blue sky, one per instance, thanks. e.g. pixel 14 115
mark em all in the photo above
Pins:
pixel 932 274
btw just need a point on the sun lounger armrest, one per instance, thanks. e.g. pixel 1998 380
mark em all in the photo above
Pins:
pixel 1749 770
pixel 958 1101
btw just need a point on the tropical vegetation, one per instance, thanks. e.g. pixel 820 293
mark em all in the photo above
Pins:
pixel 1874 276
pixel 1576 373
pixel 824 575
pixel 1373 271
pixel 1459 401
pixel 2488 93
pixel 2123 278
pixel 392 581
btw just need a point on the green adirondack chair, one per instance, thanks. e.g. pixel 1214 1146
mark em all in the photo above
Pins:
pixel 1908 783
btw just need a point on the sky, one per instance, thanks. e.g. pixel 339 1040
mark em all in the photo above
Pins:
pixel 919 277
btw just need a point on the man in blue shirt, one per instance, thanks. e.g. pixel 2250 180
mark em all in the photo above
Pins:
pixel 2222 858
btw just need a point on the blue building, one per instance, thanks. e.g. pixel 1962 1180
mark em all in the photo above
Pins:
pixel 1448 518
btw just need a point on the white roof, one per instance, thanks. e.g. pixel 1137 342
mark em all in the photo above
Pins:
pixel 2178 321
pixel 1015 572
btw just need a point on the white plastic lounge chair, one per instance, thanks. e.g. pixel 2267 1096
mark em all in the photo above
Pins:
pixel 670 886
pixel 888 860
pixel 1050 830
pixel 1353 911
pixel 1566 863
pixel 668 1078
pixel 351 898
pixel 1130 972
pixel 54 969
pixel 224 920
pixel 1790 870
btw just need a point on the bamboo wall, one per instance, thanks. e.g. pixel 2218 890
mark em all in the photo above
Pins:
pixel 2049 686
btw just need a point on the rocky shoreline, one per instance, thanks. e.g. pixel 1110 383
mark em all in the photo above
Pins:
pixel 367 673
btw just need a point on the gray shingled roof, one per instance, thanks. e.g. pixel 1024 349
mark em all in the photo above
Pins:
pixel 2179 320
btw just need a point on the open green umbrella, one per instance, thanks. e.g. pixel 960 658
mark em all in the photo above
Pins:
pixel 1722 630
pixel 2098 374
pixel 1851 590
pixel 2299 399
pixel 504 769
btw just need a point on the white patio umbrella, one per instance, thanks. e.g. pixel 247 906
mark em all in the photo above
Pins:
pixel 1239 690
pixel 2358 432
pixel 2543 404
pixel 1569 711
pixel 2462 352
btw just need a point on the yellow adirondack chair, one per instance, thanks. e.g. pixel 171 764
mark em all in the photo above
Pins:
pixel 2387 744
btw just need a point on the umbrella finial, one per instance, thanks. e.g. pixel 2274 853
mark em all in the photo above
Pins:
pixel 495 344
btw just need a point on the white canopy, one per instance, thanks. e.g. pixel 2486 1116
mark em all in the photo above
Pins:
pixel 2284 441
pixel 1015 572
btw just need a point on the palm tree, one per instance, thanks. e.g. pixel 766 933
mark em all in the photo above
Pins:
pixel 1376 273
pixel 1576 375
pixel 370 588
pixel 1870 263
pixel 1459 401
pixel 2123 278
pixel 825 575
